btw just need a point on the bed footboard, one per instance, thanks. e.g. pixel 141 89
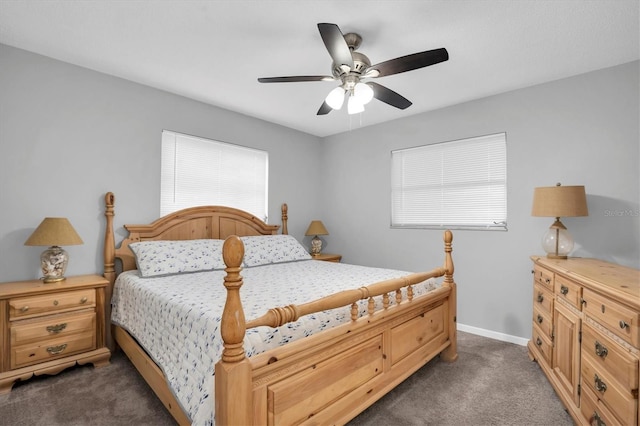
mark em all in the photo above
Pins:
pixel 331 377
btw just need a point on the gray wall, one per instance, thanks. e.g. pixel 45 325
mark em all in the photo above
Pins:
pixel 68 135
pixel 579 131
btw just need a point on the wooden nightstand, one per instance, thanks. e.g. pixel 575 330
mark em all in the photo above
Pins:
pixel 328 257
pixel 45 328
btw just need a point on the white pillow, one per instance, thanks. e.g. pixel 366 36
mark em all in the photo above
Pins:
pixel 265 249
pixel 162 257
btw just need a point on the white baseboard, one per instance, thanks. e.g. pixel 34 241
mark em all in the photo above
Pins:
pixel 493 334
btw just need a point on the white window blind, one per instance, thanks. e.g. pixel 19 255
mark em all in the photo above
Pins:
pixel 459 185
pixel 198 171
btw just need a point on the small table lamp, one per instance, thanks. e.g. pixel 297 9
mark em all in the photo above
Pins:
pixel 54 232
pixel 559 201
pixel 316 227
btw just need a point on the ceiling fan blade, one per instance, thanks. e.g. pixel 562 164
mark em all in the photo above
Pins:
pixel 388 96
pixel 410 62
pixel 336 45
pixel 324 109
pixel 294 79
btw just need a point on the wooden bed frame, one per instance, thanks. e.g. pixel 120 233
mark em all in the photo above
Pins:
pixel 327 378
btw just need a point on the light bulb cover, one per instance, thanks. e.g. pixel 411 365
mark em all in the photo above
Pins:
pixel 354 105
pixel 363 92
pixel 335 98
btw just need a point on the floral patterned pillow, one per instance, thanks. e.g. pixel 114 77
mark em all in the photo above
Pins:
pixel 265 249
pixel 155 258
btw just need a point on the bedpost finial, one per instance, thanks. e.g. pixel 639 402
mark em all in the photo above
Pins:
pixel 109 199
pixel 448 236
pixel 233 251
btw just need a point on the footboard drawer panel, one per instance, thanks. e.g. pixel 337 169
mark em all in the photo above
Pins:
pixel 291 400
pixel 418 331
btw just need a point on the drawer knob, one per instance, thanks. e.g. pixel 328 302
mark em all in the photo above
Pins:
pixel 596 420
pixel 24 309
pixel 56 328
pixel 55 350
pixel 547 280
pixel 601 350
pixel 624 324
pixel 84 300
pixel 538 342
pixel 540 298
pixel 55 303
pixel 564 290
pixel 599 384
pixel 540 319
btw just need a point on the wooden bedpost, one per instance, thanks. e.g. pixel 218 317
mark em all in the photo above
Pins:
pixel 233 372
pixel 285 218
pixel 451 353
pixel 109 264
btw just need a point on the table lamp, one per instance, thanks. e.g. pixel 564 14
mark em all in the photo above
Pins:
pixel 559 201
pixel 54 232
pixel 316 227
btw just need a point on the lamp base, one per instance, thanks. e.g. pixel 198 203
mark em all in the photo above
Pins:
pixel 316 246
pixel 53 262
pixel 556 256
pixel 557 242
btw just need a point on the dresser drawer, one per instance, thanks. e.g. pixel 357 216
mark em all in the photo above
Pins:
pixel 608 355
pixel 543 344
pixel 594 411
pixel 617 318
pixel 543 320
pixel 52 326
pixel 620 401
pixel 24 355
pixel 569 291
pixel 32 306
pixel 543 299
pixel 543 277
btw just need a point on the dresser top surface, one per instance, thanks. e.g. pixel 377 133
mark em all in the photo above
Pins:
pixel 617 278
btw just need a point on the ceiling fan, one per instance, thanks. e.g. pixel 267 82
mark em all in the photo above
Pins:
pixel 354 70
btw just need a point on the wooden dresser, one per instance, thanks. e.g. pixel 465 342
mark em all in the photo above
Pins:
pixel 586 337
pixel 45 328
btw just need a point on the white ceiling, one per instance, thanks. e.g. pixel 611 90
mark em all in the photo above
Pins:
pixel 214 51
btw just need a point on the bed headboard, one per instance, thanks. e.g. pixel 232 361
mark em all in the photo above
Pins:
pixel 216 222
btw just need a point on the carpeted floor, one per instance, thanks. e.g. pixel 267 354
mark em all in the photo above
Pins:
pixel 492 383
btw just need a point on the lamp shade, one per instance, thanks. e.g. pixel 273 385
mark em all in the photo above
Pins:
pixel 559 201
pixel 316 227
pixel 54 231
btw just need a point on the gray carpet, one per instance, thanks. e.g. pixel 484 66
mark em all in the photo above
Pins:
pixel 492 383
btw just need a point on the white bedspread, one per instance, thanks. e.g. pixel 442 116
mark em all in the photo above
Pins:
pixel 176 318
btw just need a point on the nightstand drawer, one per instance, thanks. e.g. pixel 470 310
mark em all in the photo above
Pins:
pixel 608 355
pixel 569 291
pixel 543 276
pixel 32 306
pixel 34 353
pixel 52 327
pixel 617 318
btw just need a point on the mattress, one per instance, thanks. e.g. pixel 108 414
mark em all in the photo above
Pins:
pixel 176 318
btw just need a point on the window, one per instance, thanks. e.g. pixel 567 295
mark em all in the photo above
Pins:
pixel 197 171
pixel 459 185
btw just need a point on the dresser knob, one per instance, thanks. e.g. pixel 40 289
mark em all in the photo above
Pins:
pixel 55 303
pixel 56 328
pixel 540 319
pixel 540 298
pixel 55 350
pixel 601 350
pixel 83 300
pixel 538 342
pixel 596 420
pixel 599 384
pixel 24 309
pixel 624 324
pixel 564 290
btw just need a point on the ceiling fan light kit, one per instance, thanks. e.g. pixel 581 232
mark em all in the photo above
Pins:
pixel 354 70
